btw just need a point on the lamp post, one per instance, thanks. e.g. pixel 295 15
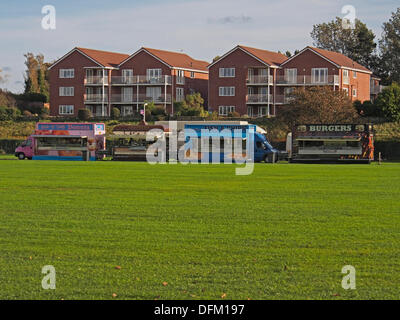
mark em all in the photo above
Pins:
pixel 144 112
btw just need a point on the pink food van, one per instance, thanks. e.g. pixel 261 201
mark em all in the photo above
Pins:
pixel 64 141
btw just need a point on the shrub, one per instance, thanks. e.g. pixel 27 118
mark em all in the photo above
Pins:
pixel 234 114
pixel 26 113
pixel 9 113
pixel 115 113
pixel 157 111
pixel 84 114
pixel 388 102
pixel 367 109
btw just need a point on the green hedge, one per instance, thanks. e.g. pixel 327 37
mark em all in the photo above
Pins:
pixel 9 145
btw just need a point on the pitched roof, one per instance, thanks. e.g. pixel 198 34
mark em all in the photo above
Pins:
pixel 105 58
pixel 339 59
pixel 269 57
pixel 178 60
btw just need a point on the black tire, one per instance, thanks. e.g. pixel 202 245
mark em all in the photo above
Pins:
pixel 21 156
pixel 267 159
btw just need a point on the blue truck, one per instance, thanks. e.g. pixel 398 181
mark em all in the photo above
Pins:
pixel 221 138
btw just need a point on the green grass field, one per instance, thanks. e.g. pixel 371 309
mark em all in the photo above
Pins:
pixel 284 232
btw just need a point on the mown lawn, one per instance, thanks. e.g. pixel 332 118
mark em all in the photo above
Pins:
pixel 198 231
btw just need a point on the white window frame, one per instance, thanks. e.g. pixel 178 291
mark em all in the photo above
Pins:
pixel 192 75
pixel 155 93
pixel 354 74
pixel 317 76
pixel 226 91
pixel 180 77
pixel 127 75
pixel 346 90
pixel 154 74
pixel 354 93
pixel 66 91
pixel 291 75
pixel 227 72
pixel 180 94
pixel 127 94
pixel 66 109
pixel 225 110
pixel 346 79
pixel 66 73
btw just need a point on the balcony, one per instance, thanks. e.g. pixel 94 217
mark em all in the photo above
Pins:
pixel 260 80
pixel 283 99
pixel 96 98
pixel 259 99
pixel 141 80
pixel 97 80
pixel 141 98
pixel 375 90
pixel 307 80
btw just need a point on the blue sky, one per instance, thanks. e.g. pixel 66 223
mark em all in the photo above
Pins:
pixel 201 28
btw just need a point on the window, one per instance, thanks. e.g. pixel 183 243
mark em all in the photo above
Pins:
pixel 290 75
pixel 226 72
pixel 127 111
pixel 192 75
pixel 127 75
pixel 354 74
pixel 66 91
pixel 262 111
pixel 127 94
pixel 355 93
pixel 154 94
pixel 226 91
pixel 154 75
pixel 67 73
pixel 180 77
pixel 319 75
pixel 288 95
pixel 345 76
pixel 225 110
pixel 66 109
pixel 346 90
pixel 180 95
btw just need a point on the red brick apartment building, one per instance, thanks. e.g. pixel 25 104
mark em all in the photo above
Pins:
pixel 259 82
pixel 101 80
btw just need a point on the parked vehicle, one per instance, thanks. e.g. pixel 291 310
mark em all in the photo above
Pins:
pixel 222 138
pixel 64 141
pixel 336 142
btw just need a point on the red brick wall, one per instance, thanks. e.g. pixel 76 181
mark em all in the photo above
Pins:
pixel 361 84
pixel 74 61
pixel 241 61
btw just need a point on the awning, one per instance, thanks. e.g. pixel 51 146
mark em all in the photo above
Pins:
pixel 329 138
pixel 55 136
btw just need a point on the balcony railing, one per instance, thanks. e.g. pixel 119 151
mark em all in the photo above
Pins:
pixel 263 80
pixel 141 80
pixel 259 98
pixel 96 98
pixel 375 89
pixel 283 99
pixel 307 80
pixel 99 80
pixel 141 98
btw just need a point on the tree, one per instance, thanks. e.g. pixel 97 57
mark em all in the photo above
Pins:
pixel 191 106
pixel 388 101
pixel 36 75
pixel 389 46
pixel 357 43
pixel 318 105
